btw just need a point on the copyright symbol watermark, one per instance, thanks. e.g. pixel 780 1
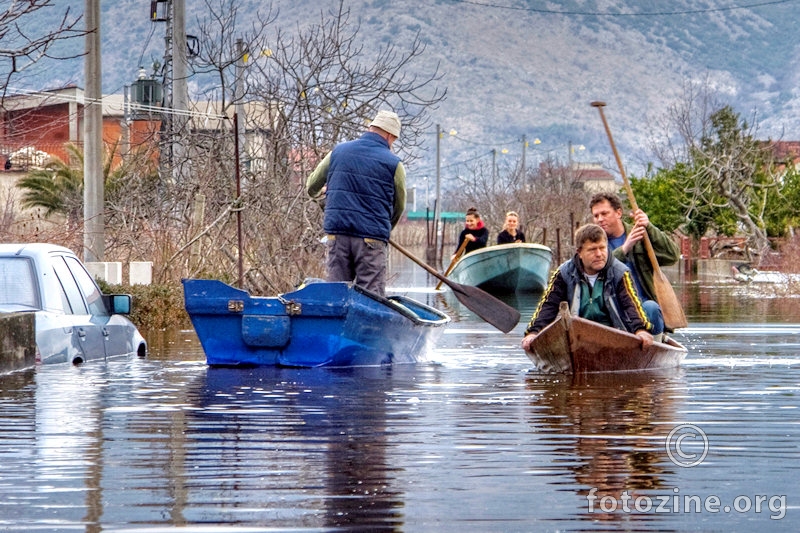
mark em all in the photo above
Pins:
pixel 682 445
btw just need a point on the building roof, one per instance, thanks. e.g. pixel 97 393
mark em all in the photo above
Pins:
pixel 784 150
pixel 594 174
pixel 112 103
pixel 208 115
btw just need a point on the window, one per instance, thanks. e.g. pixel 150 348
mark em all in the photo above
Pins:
pixel 88 287
pixel 70 286
pixel 17 285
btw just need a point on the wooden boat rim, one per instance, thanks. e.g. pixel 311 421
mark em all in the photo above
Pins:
pixel 508 246
pixel 571 344
pixel 614 331
pixel 567 317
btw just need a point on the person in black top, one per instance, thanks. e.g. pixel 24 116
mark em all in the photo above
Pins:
pixel 511 232
pixel 474 231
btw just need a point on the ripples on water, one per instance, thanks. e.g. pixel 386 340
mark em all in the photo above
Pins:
pixel 470 440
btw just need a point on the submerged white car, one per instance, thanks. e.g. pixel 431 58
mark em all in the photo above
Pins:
pixel 72 320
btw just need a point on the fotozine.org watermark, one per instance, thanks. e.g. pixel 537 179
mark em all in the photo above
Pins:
pixel 687 446
pixel 686 503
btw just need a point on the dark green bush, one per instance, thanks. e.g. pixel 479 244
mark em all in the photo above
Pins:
pixel 155 306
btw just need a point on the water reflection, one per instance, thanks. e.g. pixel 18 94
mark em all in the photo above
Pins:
pixel 735 303
pixel 610 428
pixel 470 441
pixel 17 423
pixel 51 442
pixel 330 447
pixel 525 303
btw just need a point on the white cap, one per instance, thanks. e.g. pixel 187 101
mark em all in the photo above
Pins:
pixel 388 121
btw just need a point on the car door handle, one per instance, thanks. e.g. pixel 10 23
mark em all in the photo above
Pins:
pixel 81 333
pixel 105 332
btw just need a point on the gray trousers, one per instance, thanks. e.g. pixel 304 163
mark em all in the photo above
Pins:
pixel 357 259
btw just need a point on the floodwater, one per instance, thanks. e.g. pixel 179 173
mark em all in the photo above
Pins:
pixel 470 441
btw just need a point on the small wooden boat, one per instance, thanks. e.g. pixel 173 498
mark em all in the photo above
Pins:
pixel 575 345
pixel 505 268
pixel 319 324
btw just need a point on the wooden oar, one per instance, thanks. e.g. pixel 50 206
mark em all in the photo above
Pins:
pixel 456 257
pixel 674 316
pixel 495 312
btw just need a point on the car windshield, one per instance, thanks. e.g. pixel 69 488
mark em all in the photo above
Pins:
pixel 17 287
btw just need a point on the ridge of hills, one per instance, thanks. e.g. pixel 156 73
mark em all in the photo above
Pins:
pixel 525 67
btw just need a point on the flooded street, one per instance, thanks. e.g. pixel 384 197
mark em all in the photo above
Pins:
pixel 470 441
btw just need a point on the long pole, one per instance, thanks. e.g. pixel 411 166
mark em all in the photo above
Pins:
pixel 674 316
pixel 240 261
pixel 437 209
pixel 180 91
pixel 494 167
pixel 631 198
pixel 239 120
pixel 455 259
pixel 238 94
pixel 93 193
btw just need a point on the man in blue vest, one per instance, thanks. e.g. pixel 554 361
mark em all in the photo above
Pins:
pixel 365 193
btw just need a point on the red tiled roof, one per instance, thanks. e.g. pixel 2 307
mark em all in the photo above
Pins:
pixel 594 174
pixel 783 150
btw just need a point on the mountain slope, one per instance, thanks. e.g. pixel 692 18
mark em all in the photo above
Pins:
pixel 529 67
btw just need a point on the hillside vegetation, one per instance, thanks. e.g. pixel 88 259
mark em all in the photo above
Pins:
pixel 525 67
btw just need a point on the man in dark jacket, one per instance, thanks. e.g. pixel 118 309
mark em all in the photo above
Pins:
pixel 365 194
pixel 625 243
pixel 596 286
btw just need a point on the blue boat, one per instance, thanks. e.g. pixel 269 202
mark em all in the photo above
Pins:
pixel 505 268
pixel 320 324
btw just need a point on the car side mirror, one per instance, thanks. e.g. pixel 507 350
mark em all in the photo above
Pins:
pixel 118 304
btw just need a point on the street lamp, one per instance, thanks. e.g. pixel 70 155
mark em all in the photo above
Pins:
pixel 437 206
pixel 524 151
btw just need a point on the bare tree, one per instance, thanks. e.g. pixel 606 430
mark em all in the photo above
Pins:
pixel 299 93
pixel 490 187
pixel 19 48
pixel 674 135
pixel 727 169
pixel 549 199
pixel 554 199
pixel 732 166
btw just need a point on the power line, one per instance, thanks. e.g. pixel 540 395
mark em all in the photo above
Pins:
pixel 133 106
pixel 644 14
pixel 478 143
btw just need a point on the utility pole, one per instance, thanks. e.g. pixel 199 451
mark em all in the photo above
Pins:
pixel 93 193
pixel 180 92
pixel 494 167
pixel 569 155
pixel 238 124
pixel 176 94
pixel 238 96
pixel 437 207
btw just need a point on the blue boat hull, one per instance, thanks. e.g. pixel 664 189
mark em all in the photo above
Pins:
pixel 320 324
pixel 505 268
